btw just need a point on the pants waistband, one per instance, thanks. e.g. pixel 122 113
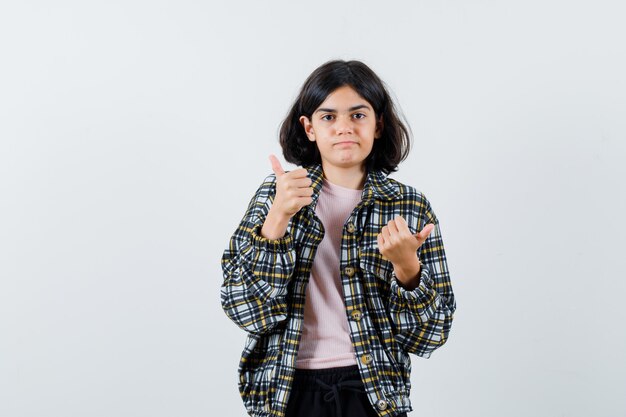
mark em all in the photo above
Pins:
pixel 318 379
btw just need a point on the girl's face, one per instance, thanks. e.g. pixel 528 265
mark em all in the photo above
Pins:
pixel 344 128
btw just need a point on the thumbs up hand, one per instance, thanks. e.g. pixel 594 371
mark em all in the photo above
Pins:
pixel 293 191
pixel 397 244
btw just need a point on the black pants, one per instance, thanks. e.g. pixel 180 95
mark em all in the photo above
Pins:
pixel 333 392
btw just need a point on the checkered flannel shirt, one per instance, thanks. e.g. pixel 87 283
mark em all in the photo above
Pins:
pixel 265 280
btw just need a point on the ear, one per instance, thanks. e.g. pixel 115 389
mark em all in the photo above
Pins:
pixel 379 127
pixel 308 127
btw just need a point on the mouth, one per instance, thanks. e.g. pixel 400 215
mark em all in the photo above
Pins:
pixel 346 142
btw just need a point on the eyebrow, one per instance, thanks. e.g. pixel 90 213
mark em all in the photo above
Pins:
pixel 360 106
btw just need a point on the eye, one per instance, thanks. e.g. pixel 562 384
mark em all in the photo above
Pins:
pixel 358 115
pixel 327 117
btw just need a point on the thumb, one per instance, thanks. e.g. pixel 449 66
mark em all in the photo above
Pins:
pixel 276 167
pixel 423 235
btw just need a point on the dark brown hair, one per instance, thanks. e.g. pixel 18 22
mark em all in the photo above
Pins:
pixel 389 150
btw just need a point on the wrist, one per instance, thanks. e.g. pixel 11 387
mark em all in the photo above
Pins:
pixel 408 273
pixel 275 224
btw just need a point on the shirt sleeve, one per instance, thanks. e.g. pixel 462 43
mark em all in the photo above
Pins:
pixel 423 316
pixel 257 270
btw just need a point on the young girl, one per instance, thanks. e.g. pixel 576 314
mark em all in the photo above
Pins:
pixel 336 271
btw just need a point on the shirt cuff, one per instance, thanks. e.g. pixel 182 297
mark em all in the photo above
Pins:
pixel 282 244
pixel 421 293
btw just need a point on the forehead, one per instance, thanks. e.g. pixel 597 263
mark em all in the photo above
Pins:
pixel 343 98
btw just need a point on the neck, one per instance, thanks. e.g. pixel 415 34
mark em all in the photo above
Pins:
pixel 348 177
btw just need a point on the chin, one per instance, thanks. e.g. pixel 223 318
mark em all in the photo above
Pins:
pixel 350 163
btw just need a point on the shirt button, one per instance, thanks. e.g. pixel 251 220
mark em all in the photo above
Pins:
pixel 351 227
pixel 366 359
pixel 381 404
pixel 356 315
pixel 349 271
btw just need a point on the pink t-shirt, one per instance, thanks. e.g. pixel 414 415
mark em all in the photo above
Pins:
pixel 326 339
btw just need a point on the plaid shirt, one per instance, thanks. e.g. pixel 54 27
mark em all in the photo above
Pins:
pixel 265 280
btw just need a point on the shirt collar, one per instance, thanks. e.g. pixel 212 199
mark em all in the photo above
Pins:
pixel 377 186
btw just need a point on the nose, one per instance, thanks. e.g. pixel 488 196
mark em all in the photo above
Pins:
pixel 343 125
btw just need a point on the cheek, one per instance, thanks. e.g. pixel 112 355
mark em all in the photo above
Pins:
pixel 320 130
pixel 369 129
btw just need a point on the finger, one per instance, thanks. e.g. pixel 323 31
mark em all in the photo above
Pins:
pixel 381 242
pixel 300 182
pixel 305 192
pixel 385 233
pixel 423 235
pixel 393 228
pixel 302 192
pixel 304 201
pixel 298 173
pixel 427 229
pixel 402 226
pixel 276 167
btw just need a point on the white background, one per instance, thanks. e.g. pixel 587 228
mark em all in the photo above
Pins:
pixel 134 133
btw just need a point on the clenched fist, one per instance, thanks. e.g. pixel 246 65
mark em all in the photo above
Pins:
pixel 293 191
pixel 399 245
